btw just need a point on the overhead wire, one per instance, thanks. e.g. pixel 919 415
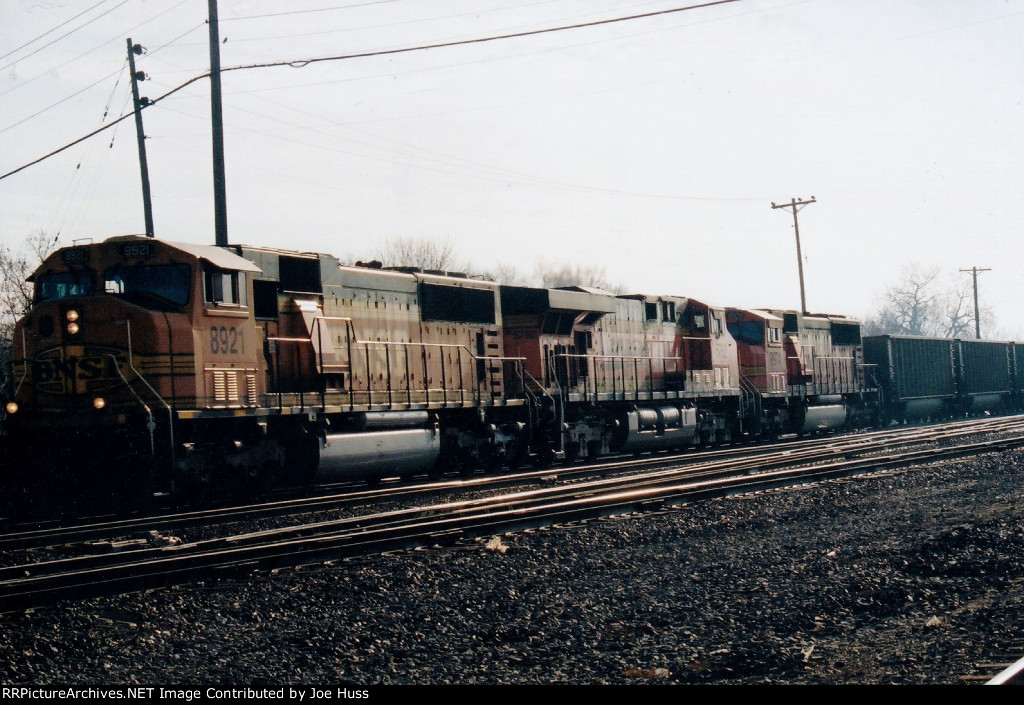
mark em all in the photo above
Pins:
pixel 70 198
pixel 302 63
pixel 383 52
pixel 72 60
pixel 310 11
pixel 97 131
pixel 66 34
pixel 52 29
pixel 418 20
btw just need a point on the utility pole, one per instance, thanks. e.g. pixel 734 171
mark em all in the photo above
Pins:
pixel 140 103
pixel 977 313
pixel 796 206
pixel 220 193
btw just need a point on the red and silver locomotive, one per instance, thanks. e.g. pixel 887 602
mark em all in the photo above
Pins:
pixel 146 365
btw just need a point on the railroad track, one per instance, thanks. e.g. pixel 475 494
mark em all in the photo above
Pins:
pixel 1003 668
pixel 123 532
pixel 33 584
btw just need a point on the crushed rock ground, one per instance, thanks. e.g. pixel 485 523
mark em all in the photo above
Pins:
pixel 908 578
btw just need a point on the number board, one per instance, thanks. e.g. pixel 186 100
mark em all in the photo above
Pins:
pixel 136 249
pixel 226 340
pixel 74 255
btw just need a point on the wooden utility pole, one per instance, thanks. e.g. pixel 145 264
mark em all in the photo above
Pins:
pixel 220 192
pixel 977 312
pixel 796 206
pixel 140 103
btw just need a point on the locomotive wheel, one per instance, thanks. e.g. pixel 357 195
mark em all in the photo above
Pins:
pixel 206 481
pixel 521 456
pixel 261 479
pixel 436 471
pixel 490 459
pixel 466 463
pixel 572 453
pixel 543 458
pixel 302 457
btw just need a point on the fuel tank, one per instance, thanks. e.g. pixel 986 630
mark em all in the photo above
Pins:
pixel 824 418
pixel 377 454
pixel 655 428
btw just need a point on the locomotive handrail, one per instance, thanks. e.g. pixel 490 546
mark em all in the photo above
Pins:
pixel 531 397
pixel 622 358
pixel 353 344
pixel 24 364
pixel 170 412
pixel 277 370
pixel 750 389
pixel 351 339
pixel 149 412
pixel 460 347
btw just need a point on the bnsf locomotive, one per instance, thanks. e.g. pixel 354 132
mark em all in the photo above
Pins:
pixel 146 365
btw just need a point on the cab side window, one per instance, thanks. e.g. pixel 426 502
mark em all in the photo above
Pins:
pixel 221 286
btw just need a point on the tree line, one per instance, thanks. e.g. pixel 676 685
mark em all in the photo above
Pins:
pixel 926 302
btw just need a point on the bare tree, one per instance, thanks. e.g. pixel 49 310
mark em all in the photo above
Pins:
pixel 924 303
pixel 575 275
pixel 957 320
pixel 425 254
pixel 16 291
pixel 505 273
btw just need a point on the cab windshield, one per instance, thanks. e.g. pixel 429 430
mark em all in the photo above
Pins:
pixel 61 285
pixel 152 286
pixel 747 332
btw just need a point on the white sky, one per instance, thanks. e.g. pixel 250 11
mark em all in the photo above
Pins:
pixel 653 148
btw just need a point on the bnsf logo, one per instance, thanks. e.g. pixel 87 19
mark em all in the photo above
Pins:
pixel 73 372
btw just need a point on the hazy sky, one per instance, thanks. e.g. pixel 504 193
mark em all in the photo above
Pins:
pixel 652 147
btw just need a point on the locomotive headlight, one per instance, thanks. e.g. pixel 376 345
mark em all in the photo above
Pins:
pixel 12 407
pixel 72 316
pixel 73 328
pixel 99 403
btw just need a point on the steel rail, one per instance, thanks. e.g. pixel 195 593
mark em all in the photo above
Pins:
pixel 38 538
pixel 397 517
pixel 1008 675
pixel 500 514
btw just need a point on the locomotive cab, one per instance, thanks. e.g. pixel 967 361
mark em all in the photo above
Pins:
pixel 125 342
pixel 825 369
pixel 759 344
pixel 132 323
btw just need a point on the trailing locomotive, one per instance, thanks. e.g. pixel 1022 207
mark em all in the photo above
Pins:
pixel 147 365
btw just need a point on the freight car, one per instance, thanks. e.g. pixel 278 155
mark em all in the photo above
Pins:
pixel 923 378
pixel 146 365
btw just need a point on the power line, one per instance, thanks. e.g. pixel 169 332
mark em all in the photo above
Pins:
pixel 66 34
pixel 120 36
pixel 62 100
pixel 416 20
pixel 109 125
pixel 301 63
pixel 307 12
pixel 54 29
pixel 93 85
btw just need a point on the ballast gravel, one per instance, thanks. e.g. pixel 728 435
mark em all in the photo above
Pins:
pixel 909 578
